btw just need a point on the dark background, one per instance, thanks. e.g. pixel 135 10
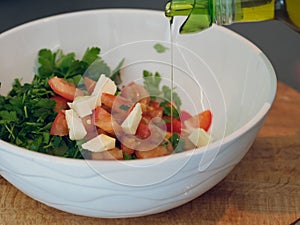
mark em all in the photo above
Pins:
pixel 276 40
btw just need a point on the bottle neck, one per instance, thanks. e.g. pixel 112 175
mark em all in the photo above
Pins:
pixel 199 13
pixel 223 12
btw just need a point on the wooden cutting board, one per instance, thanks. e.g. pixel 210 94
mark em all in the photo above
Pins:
pixel 264 188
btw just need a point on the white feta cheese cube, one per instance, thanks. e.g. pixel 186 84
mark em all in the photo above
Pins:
pixel 130 124
pixel 83 105
pixel 100 143
pixel 76 128
pixel 98 87
pixel 199 137
pixel 104 85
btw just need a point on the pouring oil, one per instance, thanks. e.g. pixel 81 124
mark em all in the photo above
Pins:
pixel 172 71
pixel 201 14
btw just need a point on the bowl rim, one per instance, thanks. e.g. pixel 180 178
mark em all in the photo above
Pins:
pixel 225 140
pixel 78 13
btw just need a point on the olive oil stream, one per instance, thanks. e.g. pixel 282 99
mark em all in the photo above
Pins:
pixel 172 68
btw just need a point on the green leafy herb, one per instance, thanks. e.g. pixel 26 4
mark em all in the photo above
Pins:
pixel 152 85
pixel 167 95
pixel 116 75
pixel 160 48
pixel 167 107
pixel 65 65
pixel 97 68
pixel 177 142
pixel 126 156
pixel 26 113
pixel 90 55
pixel 46 60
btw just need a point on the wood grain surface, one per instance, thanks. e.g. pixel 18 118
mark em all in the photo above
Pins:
pixel 264 188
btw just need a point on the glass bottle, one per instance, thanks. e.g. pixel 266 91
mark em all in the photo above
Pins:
pixel 202 13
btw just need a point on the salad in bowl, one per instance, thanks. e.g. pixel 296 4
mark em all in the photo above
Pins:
pixel 79 109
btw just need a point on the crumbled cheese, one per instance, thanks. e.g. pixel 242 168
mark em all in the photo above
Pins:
pixel 76 128
pixel 199 137
pixel 100 143
pixel 83 105
pixel 131 123
pixel 104 85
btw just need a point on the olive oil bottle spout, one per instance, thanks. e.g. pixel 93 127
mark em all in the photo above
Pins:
pixel 199 14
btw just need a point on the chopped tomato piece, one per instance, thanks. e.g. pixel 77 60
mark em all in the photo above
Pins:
pixel 153 112
pixel 202 120
pixel 60 103
pixel 205 119
pixel 156 152
pixel 184 115
pixel 154 104
pixel 64 88
pixel 89 84
pixel 108 100
pixel 173 124
pixel 146 119
pixel 129 151
pixel 59 125
pixel 103 120
pixel 117 103
pixel 143 130
pixel 118 106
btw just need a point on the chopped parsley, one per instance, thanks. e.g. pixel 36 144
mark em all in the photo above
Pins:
pixel 26 113
pixel 160 48
pixel 152 83
pixel 177 142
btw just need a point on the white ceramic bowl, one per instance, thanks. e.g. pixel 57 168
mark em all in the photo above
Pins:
pixel 215 69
